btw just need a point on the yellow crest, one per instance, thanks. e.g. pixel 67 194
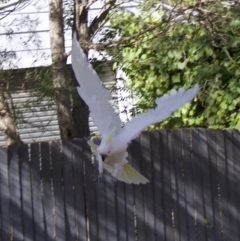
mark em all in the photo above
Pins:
pixel 109 137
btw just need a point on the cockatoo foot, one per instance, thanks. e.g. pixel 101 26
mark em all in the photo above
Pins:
pixel 114 181
pixel 99 178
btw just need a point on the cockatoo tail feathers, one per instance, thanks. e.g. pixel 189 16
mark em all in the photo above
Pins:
pixel 130 175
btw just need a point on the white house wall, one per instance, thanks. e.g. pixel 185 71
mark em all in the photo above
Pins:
pixel 37 120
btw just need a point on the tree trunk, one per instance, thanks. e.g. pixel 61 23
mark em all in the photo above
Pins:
pixel 80 116
pixel 81 16
pixel 65 119
pixel 7 120
pixel 80 109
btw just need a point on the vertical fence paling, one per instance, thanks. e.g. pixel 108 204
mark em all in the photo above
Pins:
pixel 236 158
pixel 130 207
pixel 231 209
pixel 146 159
pixel 47 190
pixel 25 173
pixel 206 185
pixel 168 202
pixel 139 193
pixel 59 217
pixel 222 172
pixel 214 180
pixel 48 205
pixel 80 207
pixel 39 228
pixel 155 150
pixel 15 195
pixel 68 190
pixel 178 173
pixel 4 198
pixel 188 184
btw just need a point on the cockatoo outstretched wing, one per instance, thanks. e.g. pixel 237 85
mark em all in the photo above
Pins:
pixel 165 106
pixel 92 92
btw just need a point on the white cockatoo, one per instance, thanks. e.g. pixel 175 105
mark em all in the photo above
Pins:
pixel 114 138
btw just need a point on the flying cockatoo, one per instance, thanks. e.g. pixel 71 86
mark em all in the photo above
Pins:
pixel 111 153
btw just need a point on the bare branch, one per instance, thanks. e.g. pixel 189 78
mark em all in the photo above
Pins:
pixel 18 5
pixel 66 55
pixel 9 5
pixel 90 4
pixel 101 16
pixel 228 54
pixel 171 17
pixel 13 4
pixel 119 40
pixel 174 14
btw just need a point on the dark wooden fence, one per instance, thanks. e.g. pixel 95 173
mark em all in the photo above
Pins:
pixel 48 193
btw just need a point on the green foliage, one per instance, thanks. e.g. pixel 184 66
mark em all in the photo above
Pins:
pixel 201 49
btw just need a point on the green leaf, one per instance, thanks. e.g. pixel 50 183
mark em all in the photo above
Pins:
pixel 176 78
pixel 159 92
pixel 170 54
pixel 177 55
pixel 181 65
pixel 223 105
pixel 144 56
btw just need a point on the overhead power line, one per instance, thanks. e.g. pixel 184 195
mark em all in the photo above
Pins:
pixel 25 32
pixel 29 50
pixel 19 13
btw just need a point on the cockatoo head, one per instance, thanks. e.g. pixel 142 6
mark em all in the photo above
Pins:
pixel 105 146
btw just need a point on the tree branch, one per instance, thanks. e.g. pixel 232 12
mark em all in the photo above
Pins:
pixel 101 16
pixel 9 5
pixel 175 15
pixel 66 55
pixel 102 46
pixel 90 4
pixel 16 6
pixel 12 4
